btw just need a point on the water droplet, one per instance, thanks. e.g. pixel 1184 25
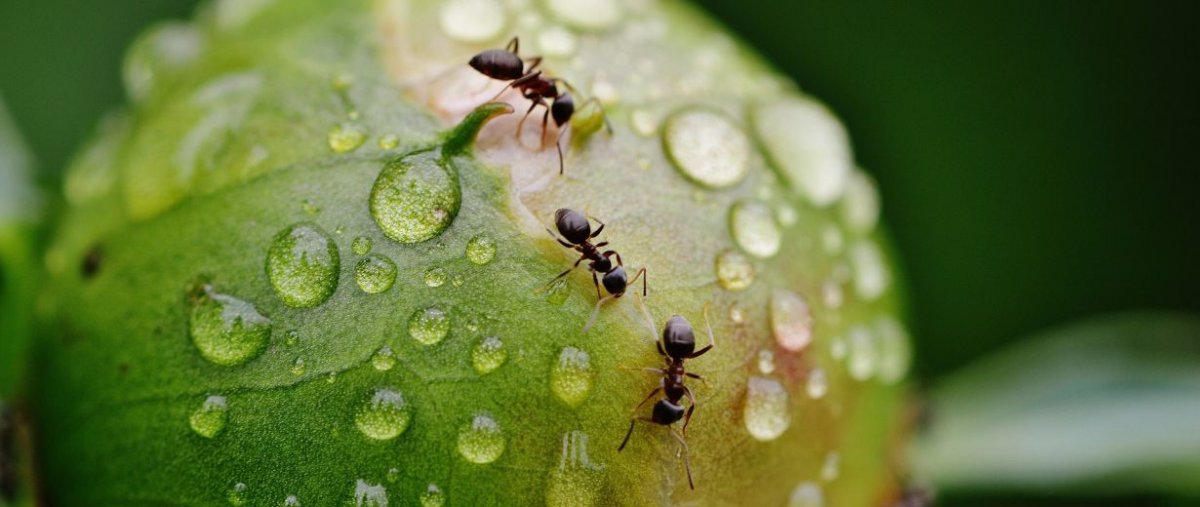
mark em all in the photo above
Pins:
pixel 817 384
pixel 838 348
pixel 734 271
pixel 436 277
pixel 557 293
pixel 737 314
pixel 787 215
pixel 331 378
pixel 807 494
pixel 766 361
pixel 369 495
pixel 860 204
pixel 433 496
pixel 291 501
pixel 808 146
pixel 160 51
pixel 209 420
pixel 556 41
pixel 643 122
pixel 384 416
pixel 429 325
pixel 767 413
pixel 895 354
pixel 871 276
pixel 571 378
pixel 577 482
pixel 830 468
pixel 303 265
pixel 754 229
pixel 791 320
pixel 309 207
pixel 299 366
pixel 831 294
pixel 863 358
pixel 389 142
pixel 472 20
pixel 488 355
pixel 586 14
pixel 707 147
pixel 384 359
pixel 237 495
pixel 226 330
pixel 361 245
pixel 375 273
pixel 291 338
pixel 346 136
pixel 393 474
pixel 481 249
pixel 481 441
pixel 457 280
pixel 415 197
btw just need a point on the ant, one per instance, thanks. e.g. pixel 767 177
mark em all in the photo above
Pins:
pixel 578 234
pixel 506 65
pixel 678 343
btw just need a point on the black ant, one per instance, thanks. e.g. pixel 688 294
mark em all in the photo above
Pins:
pixel 678 343
pixel 578 234
pixel 506 65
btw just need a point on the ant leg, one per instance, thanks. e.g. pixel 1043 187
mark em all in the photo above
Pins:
pixel 595 313
pixel 687 418
pixel 601 244
pixel 650 321
pixel 542 140
pixel 596 282
pixel 661 352
pixel 686 462
pixel 697 377
pixel 598 229
pixel 534 62
pixel 632 421
pixel 558 146
pixel 649 397
pixel 521 124
pixel 711 341
pixel 513 46
pixel 594 100
pixel 568 270
pixel 639 274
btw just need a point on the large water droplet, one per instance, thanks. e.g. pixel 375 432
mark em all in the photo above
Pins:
pixel 433 496
pixel 754 229
pixel 807 494
pixel 863 353
pixel 346 136
pixel 817 384
pixel 767 412
pixel 577 482
pixel 808 145
pixel 895 354
pixel 791 320
pixel 488 355
pixel 369 495
pixel 303 265
pixel 481 249
pixel 571 378
pixel 429 325
pixel 860 205
pixel 208 421
pixel 361 245
pixel 586 14
pixel 707 147
pixel 481 441
pixel 871 275
pixel 472 20
pixel 226 330
pixel 384 359
pixel 415 197
pixel 237 495
pixel 375 273
pixel 384 416
pixel 734 271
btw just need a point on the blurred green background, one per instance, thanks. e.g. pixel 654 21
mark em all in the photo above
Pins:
pixel 1038 161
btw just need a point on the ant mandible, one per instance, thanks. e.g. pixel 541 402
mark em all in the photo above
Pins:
pixel 678 343
pixel 577 231
pixel 507 65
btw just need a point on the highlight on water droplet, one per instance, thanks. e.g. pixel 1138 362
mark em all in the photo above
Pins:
pixel 488 355
pixel 429 325
pixel 481 249
pixel 831 467
pixel 576 482
pixel 208 421
pixel 433 496
pixel 303 265
pixel 895 353
pixel 436 277
pixel 791 320
pixel 226 330
pixel 807 494
pixel 361 245
pixel 375 274
pixel 808 146
pixel 871 275
pixel 767 411
pixel 384 416
pixel 237 495
pixel 707 147
pixel 571 378
pixel 384 359
pixel 481 441
pixel 817 383
pixel 346 136
pixel 753 227
pixel 415 197
pixel 863 353
pixel 860 204
pixel 369 495
pixel 291 501
pixel 734 271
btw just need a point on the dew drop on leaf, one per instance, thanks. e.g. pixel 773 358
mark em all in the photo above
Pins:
pixel 208 421
pixel 226 330
pixel 791 320
pixel 807 494
pixel 303 265
pixel 375 273
pixel 817 383
pixel 429 325
pixel 237 495
pixel 488 355
pixel 753 227
pixel 384 359
pixel 862 353
pixel 808 146
pixel 707 147
pixel 767 411
pixel 734 271
pixel 436 277
pixel 415 197
pixel 571 378
pixel 361 245
pixel 576 482
pixel 481 249
pixel 433 496
pixel 481 441
pixel 369 495
pixel 346 136
pixel 384 416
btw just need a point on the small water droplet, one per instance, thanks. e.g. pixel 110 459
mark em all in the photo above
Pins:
pixel 837 348
pixel 291 338
pixel 808 146
pixel 643 122
pixel 737 314
pixel 303 265
pixel 393 474
pixel 863 358
pixel 237 495
pixel 481 441
pixel 807 494
pixel 766 361
pixel 299 366
pixel 832 240
pixel 871 276
pixel 384 359
pixel 436 277
pixel 831 467
pixel 361 245
pixel 767 412
pixel 433 496
pixel 787 215
pixel 331 378
pixel 389 142
pixel 346 136
pixel 860 204
pixel 488 355
pixel 707 147
pixel 817 384
pixel 831 294
pixel 226 330
pixel 415 197
pixel 481 249
pixel 208 421
pixel 571 378
pixel 472 20
pixel 429 325
pixel 384 416
pixel 586 14
pixel 557 293
pixel 309 207
pixel 734 271
pixel 577 482
pixel 895 353
pixel 753 227
pixel 291 501
pixel 791 320
pixel 375 273
pixel 369 495
pixel 556 41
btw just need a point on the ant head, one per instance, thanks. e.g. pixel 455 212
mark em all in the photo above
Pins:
pixel 667 412
pixel 572 225
pixel 562 109
pixel 678 338
pixel 615 280
pixel 498 64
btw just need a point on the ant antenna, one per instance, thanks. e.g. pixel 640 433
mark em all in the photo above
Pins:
pixel 711 341
pixel 596 312
pixel 649 319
